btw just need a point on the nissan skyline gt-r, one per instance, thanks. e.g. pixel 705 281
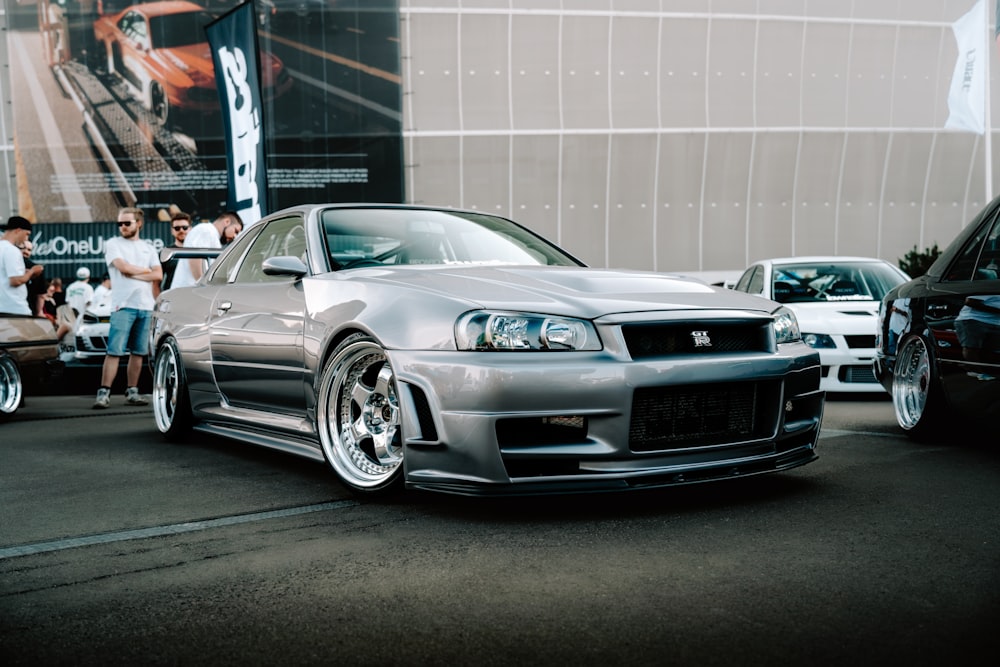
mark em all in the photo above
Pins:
pixel 836 301
pixel 161 53
pixel 939 338
pixel 457 351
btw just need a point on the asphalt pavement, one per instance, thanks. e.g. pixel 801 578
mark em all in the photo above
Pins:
pixel 119 548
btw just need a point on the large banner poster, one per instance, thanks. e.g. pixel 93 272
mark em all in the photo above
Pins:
pixel 233 38
pixel 115 103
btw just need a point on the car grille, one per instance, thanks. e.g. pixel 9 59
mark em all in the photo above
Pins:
pixel 679 417
pixel 646 341
pixel 860 341
pixel 91 343
pixel 857 374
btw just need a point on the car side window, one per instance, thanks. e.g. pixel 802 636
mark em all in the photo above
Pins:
pixel 988 266
pixel 282 237
pixel 967 262
pixel 133 26
pixel 224 270
pixel 756 285
pixel 743 284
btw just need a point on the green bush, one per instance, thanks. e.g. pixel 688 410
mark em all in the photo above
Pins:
pixel 916 263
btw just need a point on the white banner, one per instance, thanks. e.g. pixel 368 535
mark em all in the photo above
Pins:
pixel 967 95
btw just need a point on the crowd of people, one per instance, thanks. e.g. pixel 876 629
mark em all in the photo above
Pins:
pixel 128 291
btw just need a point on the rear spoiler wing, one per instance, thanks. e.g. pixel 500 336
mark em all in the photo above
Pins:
pixel 171 253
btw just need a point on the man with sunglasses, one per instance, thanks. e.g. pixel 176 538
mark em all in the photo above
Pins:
pixel 177 273
pixel 134 266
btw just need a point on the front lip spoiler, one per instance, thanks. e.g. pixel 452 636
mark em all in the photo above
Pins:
pixel 568 485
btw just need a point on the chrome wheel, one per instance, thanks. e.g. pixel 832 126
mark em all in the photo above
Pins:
pixel 11 389
pixel 912 384
pixel 358 416
pixel 171 409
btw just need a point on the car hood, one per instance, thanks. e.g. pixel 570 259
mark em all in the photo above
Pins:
pixel 190 59
pixel 580 292
pixel 196 60
pixel 837 317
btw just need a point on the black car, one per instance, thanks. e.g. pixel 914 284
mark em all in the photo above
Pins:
pixel 938 347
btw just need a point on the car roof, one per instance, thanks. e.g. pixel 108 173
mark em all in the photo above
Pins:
pixel 819 259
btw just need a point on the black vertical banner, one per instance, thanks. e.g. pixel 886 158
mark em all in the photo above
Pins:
pixel 233 39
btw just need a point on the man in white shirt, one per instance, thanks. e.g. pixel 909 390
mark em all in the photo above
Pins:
pixel 80 294
pixel 210 235
pixel 101 305
pixel 134 266
pixel 14 276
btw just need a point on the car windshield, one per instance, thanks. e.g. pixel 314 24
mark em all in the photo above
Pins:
pixel 371 237
pixel 854 281
pixel 171 31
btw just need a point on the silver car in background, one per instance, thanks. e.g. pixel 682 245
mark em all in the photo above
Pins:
pixel 457 351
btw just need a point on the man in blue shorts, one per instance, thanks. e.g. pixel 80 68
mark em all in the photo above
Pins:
pixel 134 266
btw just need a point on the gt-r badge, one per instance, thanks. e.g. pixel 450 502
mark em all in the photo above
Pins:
pixel 701 339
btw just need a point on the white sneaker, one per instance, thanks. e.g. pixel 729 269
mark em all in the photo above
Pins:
pixel 133 397
pixel 103 399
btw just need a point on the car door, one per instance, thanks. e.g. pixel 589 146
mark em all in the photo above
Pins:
pixel 962 313
pixel 256 327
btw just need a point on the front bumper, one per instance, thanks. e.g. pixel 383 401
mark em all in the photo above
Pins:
pixel 539 423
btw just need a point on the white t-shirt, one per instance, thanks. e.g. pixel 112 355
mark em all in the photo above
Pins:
pixel 12 299
pixel 79 295
pixel 202 235
pixel 129 292
pixel 101 305
pixel 182 274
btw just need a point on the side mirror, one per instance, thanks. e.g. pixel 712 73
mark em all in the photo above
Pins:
pixel 284 265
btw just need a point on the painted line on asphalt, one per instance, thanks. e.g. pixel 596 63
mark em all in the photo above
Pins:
pixel 172 529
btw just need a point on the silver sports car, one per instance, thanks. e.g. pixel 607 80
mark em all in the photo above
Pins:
pixel 457 351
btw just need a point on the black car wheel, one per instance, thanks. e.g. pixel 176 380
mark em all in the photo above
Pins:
pixel 171 403
pixel 358 417
pixel 915 392
pixel 158 103
pixel 11 389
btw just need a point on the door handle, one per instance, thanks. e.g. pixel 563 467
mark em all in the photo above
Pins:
pixel 223 308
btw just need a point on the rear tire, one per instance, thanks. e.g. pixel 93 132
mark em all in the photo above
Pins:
pixel 171 402
pixel 916 391
pixel 159 105
pixel 11 386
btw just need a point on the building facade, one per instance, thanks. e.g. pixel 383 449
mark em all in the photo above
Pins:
pixel 694 134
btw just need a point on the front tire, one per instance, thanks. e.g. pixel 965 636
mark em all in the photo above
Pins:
pixel 916 393
pixel 171 402
pixel 358 418
pixel 11 387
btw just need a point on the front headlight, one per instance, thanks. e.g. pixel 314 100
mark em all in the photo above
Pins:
pixel 786 326
pixel 818 340
pixel 483 330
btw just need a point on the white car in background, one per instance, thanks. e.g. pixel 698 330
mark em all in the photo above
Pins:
pixel 91 340
pixel 836 301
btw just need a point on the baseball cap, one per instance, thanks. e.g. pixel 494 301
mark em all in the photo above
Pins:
pixel 17 222
pixel 82 273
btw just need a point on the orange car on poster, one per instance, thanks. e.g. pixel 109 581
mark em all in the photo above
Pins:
pixel 161 53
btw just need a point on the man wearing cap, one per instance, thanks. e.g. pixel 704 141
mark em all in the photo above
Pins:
pixel 80 294
pixel 13 274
